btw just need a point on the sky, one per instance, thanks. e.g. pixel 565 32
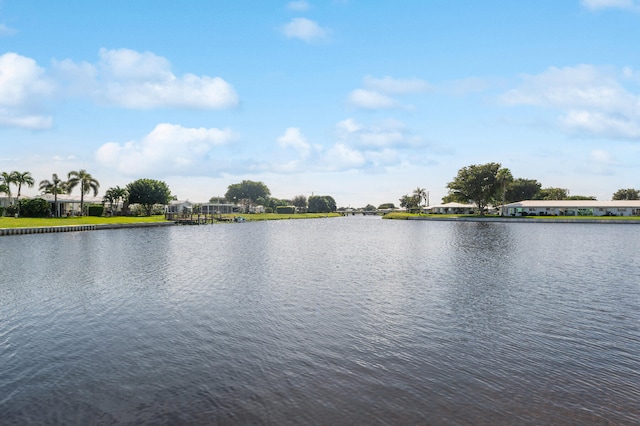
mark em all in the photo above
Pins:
pixel 361 100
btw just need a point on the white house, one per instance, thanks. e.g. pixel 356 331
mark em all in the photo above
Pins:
pixel 573 208
pixel 452 208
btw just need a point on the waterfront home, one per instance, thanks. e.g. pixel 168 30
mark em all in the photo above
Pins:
pixel 67 204
pixel 451 208
pixel 573 208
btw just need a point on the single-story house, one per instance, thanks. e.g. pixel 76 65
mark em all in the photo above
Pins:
pixel 67 204
pixel 452 208
pixel 573 208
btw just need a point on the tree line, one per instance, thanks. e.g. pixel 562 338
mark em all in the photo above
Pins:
pixel 491 184
pixel 144 192
pixel 249 193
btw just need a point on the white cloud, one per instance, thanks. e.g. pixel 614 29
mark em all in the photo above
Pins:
pixel 304 29
pixel 392 85
pixel 381 135
pixel 592 100
pixel 293 138
pixel 376 94
pixel 131 79
pixel 298 6
pixel 6 31
pixel 23 88
pixel 367 99
pixel 611 4
pixel 168 149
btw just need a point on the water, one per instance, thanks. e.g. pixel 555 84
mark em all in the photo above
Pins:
pixel 352 320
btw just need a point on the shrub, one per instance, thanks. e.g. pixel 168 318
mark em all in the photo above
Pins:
pixel 11 210
pixel 285 209
pixel 1 211
pixel 95 210
pixel 268 210
pixel 35 207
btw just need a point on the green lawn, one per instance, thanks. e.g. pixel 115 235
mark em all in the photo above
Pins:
pixel 25 222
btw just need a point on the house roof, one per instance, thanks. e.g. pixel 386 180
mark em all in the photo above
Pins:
pixel 581 204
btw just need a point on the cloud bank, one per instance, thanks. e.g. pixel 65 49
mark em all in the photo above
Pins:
pixel 169 149
pixel 304 29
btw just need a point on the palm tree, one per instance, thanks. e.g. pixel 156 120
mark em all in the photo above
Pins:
pixel 7 180
pixel 114 195
pixel 421 194
pixel 504 176
pixel 22 178
pixel 86 182
pixel 54 186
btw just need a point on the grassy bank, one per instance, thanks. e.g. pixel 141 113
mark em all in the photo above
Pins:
pixel 405 216
pixel 27 222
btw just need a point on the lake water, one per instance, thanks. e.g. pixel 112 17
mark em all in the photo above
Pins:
pixel 354 320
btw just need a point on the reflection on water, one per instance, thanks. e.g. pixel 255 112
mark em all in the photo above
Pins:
pixel 349 320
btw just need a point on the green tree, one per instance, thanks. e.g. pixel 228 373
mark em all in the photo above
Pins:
pixel 477 183
pixel 522 189
pixel 248 190
pixel 504 177
pixel 421 194
pixel 54 186
pixel 114 196
pixel 147 193
pixel 410 202
pixel 454 197
pixel 300 203
pixel 7 181
pixel 86 182
pixel 626 194
pixel 386 206
pixel 22 178
pixel 581 197
pixel 553 194
pixel 369 208
pixel 217 200
pixel 321 204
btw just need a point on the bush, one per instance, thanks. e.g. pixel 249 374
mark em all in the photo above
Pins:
pixel 95 210
pixel 35 207
pixel 285 209
pixel 11 210
pixel 268 210
pixel 1 211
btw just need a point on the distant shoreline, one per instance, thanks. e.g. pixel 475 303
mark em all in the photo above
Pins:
pixel 523 219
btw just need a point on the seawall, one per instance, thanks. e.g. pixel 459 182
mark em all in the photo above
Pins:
pixel 79 228
pixel 527 220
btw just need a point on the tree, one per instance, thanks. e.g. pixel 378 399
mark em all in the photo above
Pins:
pixel 454 197
pixel 409 202
pixel 522 189
pixel 114 196
pixel 626 194
pixel 247 189
pixel 553 194
pixel 34 207
pixel 22 178
pixel 477 183
pixel 504 177
pixel 386 206
pixel 421 194
pixel 54 186
pixel 217 200
pixel 86 182
pixel 369 208
pixel 321 204
pixel 300 203
pixel 147 193
pixel 7 181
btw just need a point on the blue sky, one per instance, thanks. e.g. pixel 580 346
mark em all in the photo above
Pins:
pixel 361 100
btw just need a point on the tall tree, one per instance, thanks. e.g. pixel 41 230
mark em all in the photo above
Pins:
pixel 504 177
pixel 553 194
pixel 6 180
pixel 410 202
pixel 321 204
pixel 147 193
pixel 421 194
pixel 114 196
pixel 522 189
pixel 626 194
pixel 22 178
pixel 477 183
pixel 247 189
pixel 54 186
pixel 300 203
pixel 86 182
